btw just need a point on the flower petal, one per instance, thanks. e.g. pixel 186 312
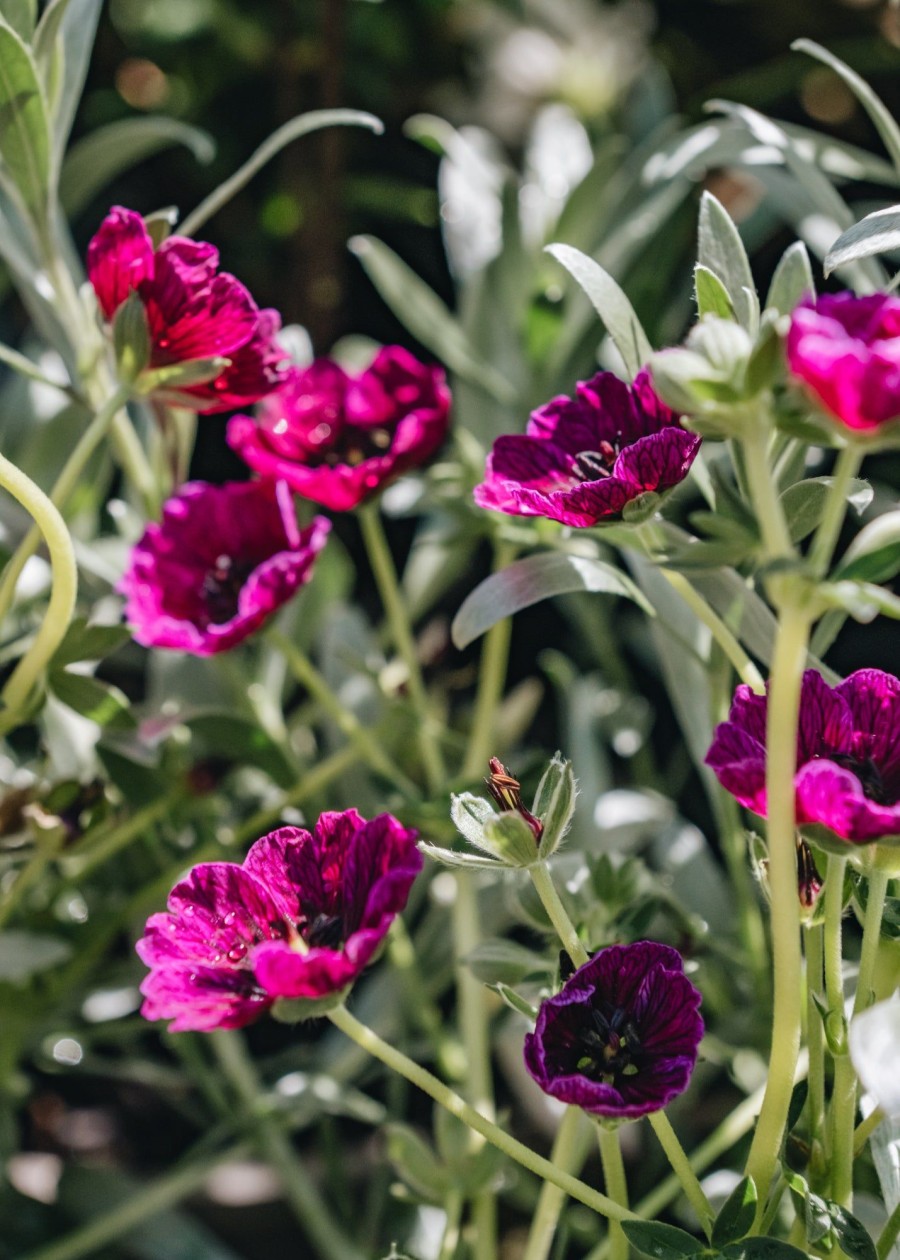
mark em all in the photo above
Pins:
pixel 119 258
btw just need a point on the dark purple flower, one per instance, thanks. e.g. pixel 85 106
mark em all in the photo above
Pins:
pixel 846 351
pixel 848 754
pixel 218 564
pixel 194 311
pixel 620 1038
pixel 582 459
pixel 301 918
pixel 339 439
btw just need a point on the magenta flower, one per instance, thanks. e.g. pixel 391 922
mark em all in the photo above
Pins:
pixel 848 754
pixel 846 351
pixel 193 310
pixel 620 1038
pixel 300 918
pixel 339 439
pixel 218 564
pixel 582 459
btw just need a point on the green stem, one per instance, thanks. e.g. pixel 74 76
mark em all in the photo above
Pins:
pixel 568 1154
pixel 833 935
pixel 491 680
pixel 888 1235
pixel 367 747
pixel 556 911
pixel 329 1240
pixel 744 667
pixel 865 1129
pixel 825 540
pixel 453 1206
pixel 401 632
pixel 781 758
pixel 65 483
pixel 681 1166
pixel 16 693
pixel 814 939
pixel 616 1187
pixel 132 459
pixel 474 1031
pixel 875 902
pixel 843 1094
pixel 767 505
pixel 394 1059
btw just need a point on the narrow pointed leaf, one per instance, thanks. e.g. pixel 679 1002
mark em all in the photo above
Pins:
pixel 792 281
pixel 24 127
pixel 661 1242
pixel 877 233
pixel 721 251
pixel 737 1214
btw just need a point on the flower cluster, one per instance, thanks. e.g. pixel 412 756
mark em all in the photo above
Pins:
pixel 221 561
pixel 620 1038
pixel 339 439
pixel 300 918
pixel 848 754
pixel 583 459
pixel 193 310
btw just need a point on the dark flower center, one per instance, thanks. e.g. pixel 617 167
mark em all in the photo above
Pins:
pixel 607 1045
pixel 222 587
pixel 324 931
pixel 593 465
pixel 868 773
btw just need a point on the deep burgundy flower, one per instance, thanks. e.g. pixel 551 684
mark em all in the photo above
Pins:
pixel 620 1038
pixel 848 754
pixel 846 351
pixel 193 310
pixel 218 564
pixel 300 918
pixel 339 439
pixel 582 459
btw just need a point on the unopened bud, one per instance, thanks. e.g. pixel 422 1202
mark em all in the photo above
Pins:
pixel 507 792
pixel 554 804
pixel 809 881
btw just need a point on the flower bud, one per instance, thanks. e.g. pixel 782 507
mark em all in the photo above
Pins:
pixel 511 839
pixel 554 804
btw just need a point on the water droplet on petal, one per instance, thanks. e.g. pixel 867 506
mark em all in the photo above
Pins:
pixel 237 952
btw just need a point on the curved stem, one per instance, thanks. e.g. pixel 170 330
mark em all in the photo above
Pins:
pixel 491 679
pixel 668 1140
pixel 781 759
pixel 616 1187
pixel 309 677
pixel 568 1154
pixel 825 540
pixel 728 642
pixel 330 1241
pixel 558 915
pixel 389 588
pixel 393 1058
pixel 65 483
pixel 62 595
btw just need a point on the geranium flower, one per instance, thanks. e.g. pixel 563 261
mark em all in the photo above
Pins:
pixel 848 754
pixel 582 459
pixel 218 564
pixel 620 1038
pixel 193 310
pixel 846 351
pixel 339 439
pixel 300 918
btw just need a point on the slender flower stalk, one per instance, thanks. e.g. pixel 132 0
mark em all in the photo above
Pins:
pixel 491 679
pixel 394 1059
pixel 767 505
pixel 389 588
pixel 826 536
pixel 814 939
pixel 781 743
pixel 676 1156
pixel 64 588
pixel 556 911
pixel 728 642
pixel 366 746
pixel 62 490
pixel 616 1187
pixel 569 1150
pixel 328 1238
pixel 888 1235
pixel 865 1129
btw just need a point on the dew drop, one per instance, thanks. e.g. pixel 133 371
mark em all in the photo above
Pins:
pixel 229 918
pixel 237 952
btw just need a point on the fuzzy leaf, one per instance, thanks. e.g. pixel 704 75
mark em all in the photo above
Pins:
pixel 24 126
pixel 721 250
pixel 874 554
pixel 712 296
pixel 792 281
pixel 877 233
pixel 531 580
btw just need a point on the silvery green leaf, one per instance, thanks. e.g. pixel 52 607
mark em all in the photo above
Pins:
pixel 725 345
pixel 75 40
pixel 505 961
pixel 24 126
pixel 514 1000
pixel 554 804
pixel 877 233
pixel 792 281
pixel 456 858
pixel 874 1038
pixel 610 303
pixel 722 251
pixel 511 840
pixel 884 122
pixel 874 554
pixel 531 580
pixel 415 1161
pixel 21 16
pixel 804 502
pixel 469 814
